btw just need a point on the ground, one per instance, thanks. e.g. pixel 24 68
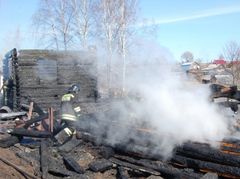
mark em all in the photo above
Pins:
pixel 8 171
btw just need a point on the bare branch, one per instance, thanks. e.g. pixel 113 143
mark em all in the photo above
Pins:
pixel 53 22
pixel 232 53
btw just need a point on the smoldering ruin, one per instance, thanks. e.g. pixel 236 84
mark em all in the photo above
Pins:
pixel 164 126
pixel 44 76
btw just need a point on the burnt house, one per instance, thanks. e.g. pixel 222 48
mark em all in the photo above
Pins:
pixel 43 76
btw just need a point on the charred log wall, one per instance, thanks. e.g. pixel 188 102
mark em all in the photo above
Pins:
pixel 44 76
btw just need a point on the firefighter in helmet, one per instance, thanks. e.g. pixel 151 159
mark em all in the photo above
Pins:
pixel 69 113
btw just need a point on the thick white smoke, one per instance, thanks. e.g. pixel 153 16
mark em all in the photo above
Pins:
pixel 180 111
pixel 167 107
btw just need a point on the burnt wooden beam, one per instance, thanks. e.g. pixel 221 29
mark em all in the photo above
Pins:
pixel 134 167
pixel 32 145
pixel 9 141
pixel 72 165
pixel 30 133
pixel 12 115
pixel 59 171
pixel 70 145
pixel 230 144
pixel 34 120
pixel 128 148
pixel 164 168
pixel 232 150
pixel 26 107
pixel 132 149
pixel 192 150
pixel 214 167
pixel 206 153
pixel 44 157
pixel 231 141
pixel 100 165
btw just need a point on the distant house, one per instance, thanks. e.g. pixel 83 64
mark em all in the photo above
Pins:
pixel 190 66
pixel 220 72
pixel 219 62
pixel 186 66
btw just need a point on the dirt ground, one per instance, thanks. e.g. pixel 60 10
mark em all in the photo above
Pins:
pixel 8 171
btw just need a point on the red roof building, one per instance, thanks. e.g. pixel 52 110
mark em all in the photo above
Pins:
pixel 219 62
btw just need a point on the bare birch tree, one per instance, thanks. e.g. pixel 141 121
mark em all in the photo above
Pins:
pixel 232 53
pixel 43 21
pixel 53 22
pixel 107 22
pixel 61 22
pixel 83 20
pixel 127 18
pixel 114 20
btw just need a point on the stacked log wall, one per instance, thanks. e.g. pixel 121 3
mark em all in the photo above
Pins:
pixel 44 76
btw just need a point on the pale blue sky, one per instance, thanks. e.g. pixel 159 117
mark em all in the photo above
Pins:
pixel 200 26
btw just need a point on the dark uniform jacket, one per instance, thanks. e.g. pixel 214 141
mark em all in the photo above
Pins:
pixel 67 110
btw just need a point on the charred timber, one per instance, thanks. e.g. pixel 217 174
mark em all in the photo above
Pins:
pixel 137 151
pixel 58 171
pixel 165 169
pixel 44 157
pixel 200 151
pixel 72 165
pixel 9 141
pixel 30 133
pixel 222 170
pixel 100 165
pixel 128 149
pixel 12 115
pixel 206 153
pixel 69 146
pixel 231 141
pixel 34 120
pixel 133 167
pixel 230 149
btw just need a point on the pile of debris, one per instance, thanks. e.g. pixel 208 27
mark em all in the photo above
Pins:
pixel 28 145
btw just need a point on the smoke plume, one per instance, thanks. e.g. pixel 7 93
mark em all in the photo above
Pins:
pixel 163 109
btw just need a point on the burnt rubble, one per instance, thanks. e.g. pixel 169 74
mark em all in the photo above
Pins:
pixel 86 156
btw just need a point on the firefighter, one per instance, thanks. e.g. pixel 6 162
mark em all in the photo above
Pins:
pixel 69 114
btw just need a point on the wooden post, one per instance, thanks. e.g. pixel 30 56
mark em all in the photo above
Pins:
pixel 50 119
pixel 30 111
